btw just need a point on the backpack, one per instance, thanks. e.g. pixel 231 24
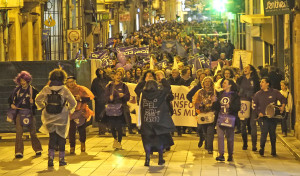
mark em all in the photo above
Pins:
pixel 54 104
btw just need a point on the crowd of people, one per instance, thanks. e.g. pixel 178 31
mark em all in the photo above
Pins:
pixel 219 95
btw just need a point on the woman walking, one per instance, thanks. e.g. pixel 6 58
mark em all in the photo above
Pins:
pixel 228 105
pixel 22 100
pixel 116 95
pixel 203 101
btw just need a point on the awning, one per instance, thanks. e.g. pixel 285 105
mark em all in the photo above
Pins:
pixel 256 19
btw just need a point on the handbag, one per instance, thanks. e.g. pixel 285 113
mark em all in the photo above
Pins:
pixel 226 120
pixel 26 116
pixel 244 113
pixel 78 118
pixel 113 109
pixel 206 118
pixel 11 114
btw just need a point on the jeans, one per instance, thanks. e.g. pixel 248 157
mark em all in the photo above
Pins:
pixel 253 130
pixel 19 145
pixel 72 133
pixel 229 133
pixel 268 125
pixel 208 132
pixel 56 140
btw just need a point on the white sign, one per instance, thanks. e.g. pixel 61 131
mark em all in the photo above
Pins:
pixel 245 56
pixel 184 111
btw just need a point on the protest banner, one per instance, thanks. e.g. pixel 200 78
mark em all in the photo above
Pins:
pixel 241 56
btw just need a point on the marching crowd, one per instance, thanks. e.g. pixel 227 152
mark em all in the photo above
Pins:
pixel 219 97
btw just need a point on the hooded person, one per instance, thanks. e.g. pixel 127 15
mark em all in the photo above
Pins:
pixel 156 121
pixel 55 115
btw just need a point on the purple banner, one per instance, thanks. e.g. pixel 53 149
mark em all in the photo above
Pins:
pixel 103 56
pixel 143 51
pixel 130 51
pixel 127 51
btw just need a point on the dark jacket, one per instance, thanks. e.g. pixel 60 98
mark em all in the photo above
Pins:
pixel 115 90
pixel 247 87
pixel 17 94
pixel 155 115
pixel 192 92
pixel 177 81
pixel 275 79
pixel 187 82
pixel 263 98
pixel 98 89
pixel 234 104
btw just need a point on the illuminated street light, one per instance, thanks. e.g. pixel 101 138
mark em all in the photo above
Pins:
pixel 219 5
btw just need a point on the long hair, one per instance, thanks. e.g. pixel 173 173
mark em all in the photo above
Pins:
pixel 150 86
pixel 254 74
pixel 233 85
pixel 145 74
pixel 230 70
pixel 98 74
pixel 23 75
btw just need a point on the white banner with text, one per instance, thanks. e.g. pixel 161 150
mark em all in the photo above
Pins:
pixel 184 111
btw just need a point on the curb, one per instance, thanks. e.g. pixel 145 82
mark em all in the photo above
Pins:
pixel 290 142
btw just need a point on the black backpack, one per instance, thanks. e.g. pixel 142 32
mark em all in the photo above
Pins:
pixel 54 104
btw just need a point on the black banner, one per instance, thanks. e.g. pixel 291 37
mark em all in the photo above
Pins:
pixel 276 7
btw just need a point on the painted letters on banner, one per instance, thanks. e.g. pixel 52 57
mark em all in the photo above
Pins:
pixel 276 7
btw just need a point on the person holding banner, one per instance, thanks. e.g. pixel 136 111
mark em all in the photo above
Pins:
pixel 190 96
pixel 203 101
pixel 176 79
pixel 227 106
pixel 248 85
pixel 147 76
pixel 156 122
pixel 116 95
pixel 261 101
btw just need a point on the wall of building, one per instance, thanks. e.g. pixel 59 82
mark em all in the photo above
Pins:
pixel 296 57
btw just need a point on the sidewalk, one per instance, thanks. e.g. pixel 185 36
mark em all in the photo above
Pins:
pixel 291 142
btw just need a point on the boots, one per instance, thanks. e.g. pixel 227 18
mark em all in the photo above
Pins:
pixel 118 145
pixel 72 150
pixel 62 161
pixel 161 160
pixel 50 157
pixel 82 147
pixel 115 143
pixel 147 160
